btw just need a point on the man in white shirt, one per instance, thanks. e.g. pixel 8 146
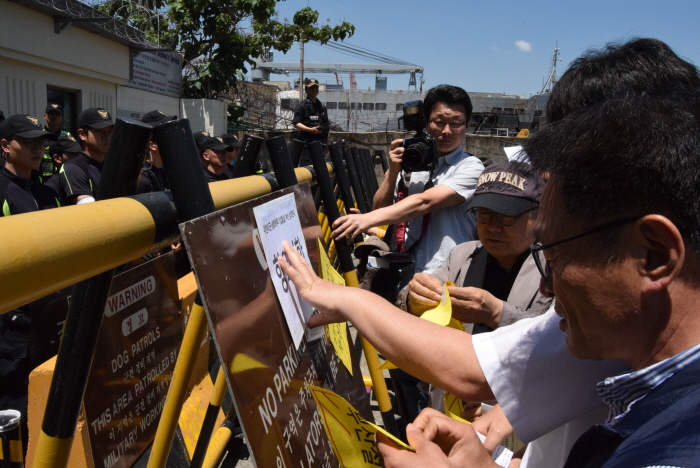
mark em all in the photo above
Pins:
pixel 441 194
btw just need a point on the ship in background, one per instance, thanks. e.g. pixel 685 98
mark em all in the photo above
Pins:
pixel 355 110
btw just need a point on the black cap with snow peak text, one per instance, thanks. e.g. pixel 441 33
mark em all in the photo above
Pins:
pixel 510 188
pixel 156 117
pixel 25 126
pixel 95 117
pixel 310 82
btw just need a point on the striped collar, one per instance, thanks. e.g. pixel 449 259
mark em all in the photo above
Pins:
pixel 624 390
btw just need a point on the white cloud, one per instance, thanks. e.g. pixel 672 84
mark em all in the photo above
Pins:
pixel 495 48
pixel 524 46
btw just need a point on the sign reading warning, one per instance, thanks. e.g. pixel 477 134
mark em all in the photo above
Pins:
pixel 133 364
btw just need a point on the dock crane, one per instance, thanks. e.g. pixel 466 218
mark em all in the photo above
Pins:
pixel 263 69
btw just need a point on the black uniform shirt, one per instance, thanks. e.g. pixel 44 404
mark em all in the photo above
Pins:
pixel 311 114
pixel 153 179
pixel 20 195
pixel 212 177
pixel 79 176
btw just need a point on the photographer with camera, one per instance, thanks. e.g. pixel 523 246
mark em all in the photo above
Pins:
pixel 311 119
pixel 443 180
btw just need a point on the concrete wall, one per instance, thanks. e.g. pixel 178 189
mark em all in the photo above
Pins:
pixel 133 103
pixel 34 57
pixel 478 145
pixel 204 114
pixel 29 36
pixel 23 88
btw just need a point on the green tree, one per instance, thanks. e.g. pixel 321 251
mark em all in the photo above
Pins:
pixel 218 39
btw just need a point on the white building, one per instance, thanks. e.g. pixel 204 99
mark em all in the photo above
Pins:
pixel 65 52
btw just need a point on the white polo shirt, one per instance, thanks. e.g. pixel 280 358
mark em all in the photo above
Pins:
pixel 448 226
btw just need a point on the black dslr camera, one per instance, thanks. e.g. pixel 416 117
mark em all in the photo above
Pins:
pixel 420 151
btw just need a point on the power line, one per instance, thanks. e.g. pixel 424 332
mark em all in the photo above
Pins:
pixel 365 53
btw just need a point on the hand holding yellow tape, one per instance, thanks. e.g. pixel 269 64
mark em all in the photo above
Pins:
pixel 441 315
pixel 454 407
pixel 351 436
pixel 336 332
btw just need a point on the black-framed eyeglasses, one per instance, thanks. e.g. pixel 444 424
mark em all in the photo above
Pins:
pixel 31 143
pixel 485 216
pixel 537 249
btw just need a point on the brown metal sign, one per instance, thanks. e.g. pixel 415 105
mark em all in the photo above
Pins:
pixel 134 360
pixel 266 374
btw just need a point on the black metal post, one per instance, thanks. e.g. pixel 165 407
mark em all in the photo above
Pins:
pixel 362 175
pixel 247 156
pixel 354 175
pixel 295 151
pixel 342 177
pixel 383 158
pixel 281 161
pixel 369 168
pixel 346 264
pixel 123 161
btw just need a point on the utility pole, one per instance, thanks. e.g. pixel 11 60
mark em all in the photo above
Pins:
pixel 301 70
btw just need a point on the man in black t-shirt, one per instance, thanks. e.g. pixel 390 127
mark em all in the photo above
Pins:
pixel 23 142
pixel 153 178
pixel 213 150
pixel 311 119
pixel 80 176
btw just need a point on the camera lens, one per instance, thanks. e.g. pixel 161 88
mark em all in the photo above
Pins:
pixel 414 156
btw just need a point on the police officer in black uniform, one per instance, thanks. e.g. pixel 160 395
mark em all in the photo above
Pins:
pixel 153 178
pixel 53 115
pixel 61 151
pixel 80 176
pixel 23 142
pixel 311 119
pixel 213 150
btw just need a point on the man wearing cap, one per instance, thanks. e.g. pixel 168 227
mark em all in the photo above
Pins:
pixel 231 156
pixel 311 119
pixel 60 151
pixel 213 150
pixel 153 178
pixel 80 176
pixel 496 279
pixel 23 142
pixel 53 116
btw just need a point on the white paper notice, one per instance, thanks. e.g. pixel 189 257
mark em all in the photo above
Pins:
pixel 516 153
pixel 278 221
pixel 502 456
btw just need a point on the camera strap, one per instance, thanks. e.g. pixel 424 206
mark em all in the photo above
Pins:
pixel 425 222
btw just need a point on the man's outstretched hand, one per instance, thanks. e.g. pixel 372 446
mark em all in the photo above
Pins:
pixel 320 294
pixel 439 441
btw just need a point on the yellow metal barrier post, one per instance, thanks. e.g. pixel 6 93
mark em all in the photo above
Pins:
pixel 217 397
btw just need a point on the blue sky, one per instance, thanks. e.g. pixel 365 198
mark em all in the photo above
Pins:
pixel 474 44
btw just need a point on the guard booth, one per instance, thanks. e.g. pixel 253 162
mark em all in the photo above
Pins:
pixel 147 359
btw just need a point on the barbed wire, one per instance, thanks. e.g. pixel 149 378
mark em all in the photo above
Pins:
pixel 73 9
